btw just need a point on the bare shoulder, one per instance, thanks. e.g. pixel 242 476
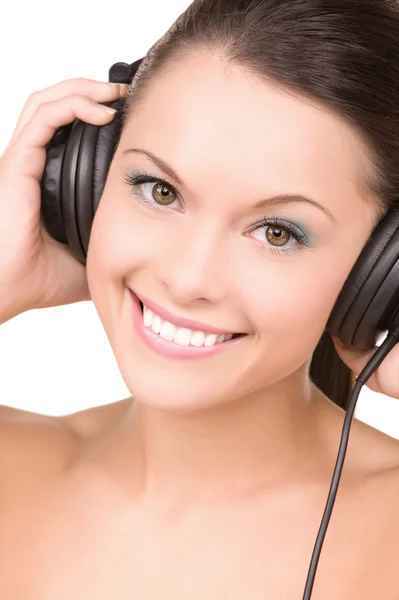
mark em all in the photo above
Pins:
pixel 378 505
pixel 33 447
pixel 22 430
pixel 368 492
pixel 372 466
pixel 95 421
pixel 370 451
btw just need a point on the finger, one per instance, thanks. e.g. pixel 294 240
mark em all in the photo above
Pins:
pixel 384 380
pixel 24 156
pixel 99 91
pixel 356 360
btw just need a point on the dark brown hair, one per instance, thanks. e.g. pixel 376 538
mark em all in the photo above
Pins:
pixel 344 53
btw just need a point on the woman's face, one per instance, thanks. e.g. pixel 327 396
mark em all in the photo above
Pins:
pixel 198 247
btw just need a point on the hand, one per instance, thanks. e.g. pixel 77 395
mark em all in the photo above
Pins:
pixel 36 271
pixel 385 380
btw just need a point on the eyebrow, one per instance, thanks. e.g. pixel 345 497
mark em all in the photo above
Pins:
pixel 279 199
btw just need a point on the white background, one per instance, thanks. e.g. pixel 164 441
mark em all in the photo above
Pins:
pixel 57 361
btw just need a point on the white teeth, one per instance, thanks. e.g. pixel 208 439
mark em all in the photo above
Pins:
pixel 181 335
pixel 168 331
pixel 198 338
pixel 156 324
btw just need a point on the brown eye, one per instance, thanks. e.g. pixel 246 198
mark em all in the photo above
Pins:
pixel 277 235
pixel 163 194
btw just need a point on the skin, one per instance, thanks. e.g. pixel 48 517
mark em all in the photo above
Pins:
pixel 194 488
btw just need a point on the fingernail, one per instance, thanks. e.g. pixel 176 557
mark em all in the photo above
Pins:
pixel 108 109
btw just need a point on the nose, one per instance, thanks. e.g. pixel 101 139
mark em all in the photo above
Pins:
pixel 193 267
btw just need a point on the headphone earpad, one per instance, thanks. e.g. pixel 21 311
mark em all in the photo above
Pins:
pixel 369 297
pixel 51 184
pixel 97 149
pixel 69 191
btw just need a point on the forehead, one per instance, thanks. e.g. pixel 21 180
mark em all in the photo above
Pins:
pixel 224 120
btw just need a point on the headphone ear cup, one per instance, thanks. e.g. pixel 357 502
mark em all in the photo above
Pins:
pixel 84 186
pixel 51 184
pixel 78 158
pixel 68 189
pixel 97 149
pixel 369 298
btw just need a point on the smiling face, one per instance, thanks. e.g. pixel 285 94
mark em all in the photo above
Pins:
pixel 198 247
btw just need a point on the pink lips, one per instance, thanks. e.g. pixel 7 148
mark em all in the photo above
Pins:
pixel 170 348
pixel 179 321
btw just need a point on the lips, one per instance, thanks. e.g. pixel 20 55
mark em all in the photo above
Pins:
pixel 235 335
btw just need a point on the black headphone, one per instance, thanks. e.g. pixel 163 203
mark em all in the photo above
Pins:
pixel 78 159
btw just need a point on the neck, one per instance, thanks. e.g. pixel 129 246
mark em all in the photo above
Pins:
pixel 235 449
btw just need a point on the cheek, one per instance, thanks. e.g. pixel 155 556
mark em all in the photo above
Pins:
pixel 114 243
pixel 293 302
pixel 106 258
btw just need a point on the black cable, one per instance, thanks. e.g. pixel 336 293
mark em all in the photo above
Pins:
pixel 390 341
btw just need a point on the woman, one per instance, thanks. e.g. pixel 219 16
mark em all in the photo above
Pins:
pixel 258 153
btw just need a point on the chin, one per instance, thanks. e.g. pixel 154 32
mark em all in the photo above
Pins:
pixel 167 392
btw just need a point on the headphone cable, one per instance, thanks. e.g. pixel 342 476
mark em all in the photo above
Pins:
pixel 381 352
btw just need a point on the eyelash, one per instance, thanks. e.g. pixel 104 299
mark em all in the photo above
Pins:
pixel 134 179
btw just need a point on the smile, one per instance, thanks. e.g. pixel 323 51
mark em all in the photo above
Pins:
pixel 181 335
pixel 178 342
